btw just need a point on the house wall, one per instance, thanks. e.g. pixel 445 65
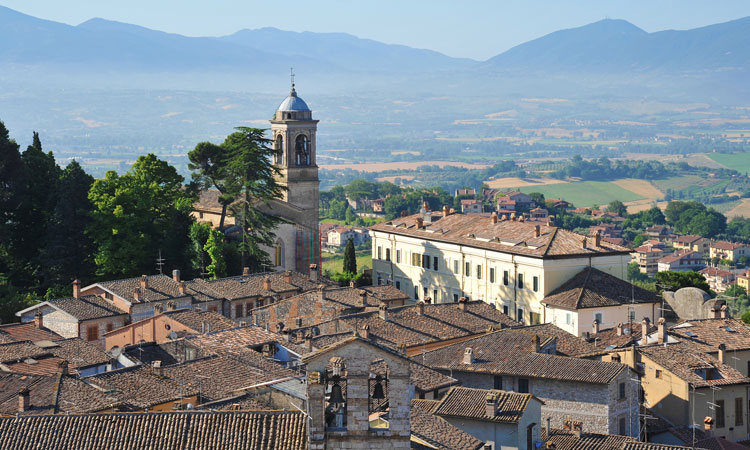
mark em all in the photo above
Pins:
pixel 101 326
pixel 449 284
pixel 582 320
pixel 156 329
pixel 57 321
pixel 504 436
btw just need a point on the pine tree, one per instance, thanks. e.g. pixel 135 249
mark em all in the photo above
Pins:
pixel 350 258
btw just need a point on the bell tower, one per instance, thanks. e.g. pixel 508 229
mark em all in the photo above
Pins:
pixel 293 132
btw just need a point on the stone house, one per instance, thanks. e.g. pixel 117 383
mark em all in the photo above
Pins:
pixel 658 232
pixel 429 431
pixel 600 395
pixel 471 206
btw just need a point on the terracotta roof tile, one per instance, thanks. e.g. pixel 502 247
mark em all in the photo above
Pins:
pixel 16 351
pixel 245 286
pixel 566 344
pixel 26 332
pixel 197 320
pixel 707 334
pixel 140 387
pixel 684 360
pixel 592 288
pixel 87 307
pixel 159 287
pixel 567 440
pixel 50 394
pixel 470 403
pixel 436 431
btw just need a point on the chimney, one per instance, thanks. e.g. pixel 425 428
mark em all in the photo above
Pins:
pixel 158 308
pixel 352 284
pixel 644 328
pixel 176 275
pixel 583 242
pixel 420 223
pixel 513 216
pixel 597 238
pixel 428 300
pixel 521 218
pixel 39 320
pixel 314 272
pixel 549 426
pixel 365 332
pixel 404 213
pixel 723 311
pixel 182 288
pixel 308 342
pixel 171 306
pixel 156 368
pixel 595 327
pixel 420 306
pixel 494 217
pixel 446 211
pixel 722 351
pixel 62 368
pixel 245 271
pixel 537 231
pixel 535 343
pixel 144 282
pixel 426 206
pixel 288 277
pixel 321 292
pixel 577 428
pixel 619 329
pixel 490 404
pixel 137 295
pixel 401 348
pixel 383 312
pixel 462 303
pixel 708 425
pixel 468 355
pixel 363 297
pixel 23 400
pixel 662 331
pixel 267 283
pixel 76 288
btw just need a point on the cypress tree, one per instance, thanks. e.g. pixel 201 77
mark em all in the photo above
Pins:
pixel 350 258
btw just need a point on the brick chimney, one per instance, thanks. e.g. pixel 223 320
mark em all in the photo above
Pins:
pixel 182 289
pixel 267 283
pixel 383 312
pixel 583 242
pixel 158 308
pixel 661 331
pixel 462 303
pixel 428 300
pixel 420 223
pixel 537 231
pixel 446 211
pixel 595 327
pixel 171 306
pixel 137 295
pixel 490 404
pixel 62 368
pixel 597 238
pixel 521 218
pixel 363 298
pixel 645 325
pixel 314 272
pixel 308 342
pixel 494 217
pixel 321 292
pixel 39 320
pixel 420 306
pixel 577 428
pixel 176 275
pixel 352 284
pixel 618 329
pixel 723 312
pixel 144 282
pixel 535 343
pixel 288 277
pixel 365 333
pixel 513 216
pixel 722 353
pixel 245 271
pixel 468 355
pixel 76 288
pixel 24 404
pixel 156 368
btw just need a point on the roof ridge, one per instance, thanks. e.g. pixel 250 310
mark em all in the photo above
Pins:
pixel 583 287
pixel 549 242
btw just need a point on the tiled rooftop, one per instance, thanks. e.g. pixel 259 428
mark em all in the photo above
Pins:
pixel 16 351
pixel 592 288
pixel 140 387
pixel 87 307
pixel 683 359
pixel 567 440
pixel 467 403
pixel 436 432
pixel 506 236
pixel 158 287
pixel 246 286
pixel 197 320
pixel 26 332
pixel 258 430
pixel 50 394
pixel 707 334
pixel 566 344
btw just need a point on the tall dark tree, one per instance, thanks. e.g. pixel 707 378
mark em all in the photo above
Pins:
pixel 252 179
pixel 68 251
pixel 209 165
pixel 350 257
pixel 11 180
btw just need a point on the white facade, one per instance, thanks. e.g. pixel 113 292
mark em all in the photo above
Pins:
pixel 580 321
pixel 512 283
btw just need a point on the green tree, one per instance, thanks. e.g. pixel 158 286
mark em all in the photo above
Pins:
pixel 253 180
pixel 538 198
pixel 358 189
pixel 11 181
pixel 337 209
pixel 350 258
pixel 215 249
pixel 134 216
pixel 634 273
pixel 349 216
pixel 394 206
pixel 672 281
pixel 746 316
pixel 617 207
pixel 209 165
pixel 639 239
pixel 11 301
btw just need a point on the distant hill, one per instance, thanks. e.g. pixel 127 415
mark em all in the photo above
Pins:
pixel 617 45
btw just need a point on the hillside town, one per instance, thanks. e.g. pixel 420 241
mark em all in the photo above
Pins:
pixel 488 326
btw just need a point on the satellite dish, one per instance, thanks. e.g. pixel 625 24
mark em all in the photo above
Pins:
pixel 172 335
pixel 116 351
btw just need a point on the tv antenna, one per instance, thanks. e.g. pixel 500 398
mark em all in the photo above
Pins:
pixel 160 263
pixel 291 75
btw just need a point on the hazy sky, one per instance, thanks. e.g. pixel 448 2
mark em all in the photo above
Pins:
pixel 476 28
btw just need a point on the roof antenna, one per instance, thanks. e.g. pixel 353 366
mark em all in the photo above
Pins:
pixel 291 75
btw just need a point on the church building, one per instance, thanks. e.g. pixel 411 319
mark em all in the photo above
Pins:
pixel 297 238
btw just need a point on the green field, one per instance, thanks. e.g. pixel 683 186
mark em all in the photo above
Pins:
pixel 335 261
pixel 737 161
pixel 585 193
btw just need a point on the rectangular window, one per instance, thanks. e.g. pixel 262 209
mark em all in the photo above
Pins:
pixel 380 252
pixel 506 277
pixel 388 254
pixel 658 374
pixel 467 269
pixel 622 391
pixel 498 382
pixel 92 333
pixel 238 310
pixel 455 298
pixel 416 292
pixel 110 327
pixel 425 292
pixel 434 296
pixel 719 411
pixel 505 309
pixel 567 318
pixel 492 274
pixel 523 385
pixel 248 307
pixel 398 285
pixel 738 407
pixel 435 263
pixel 631 315
pixel 535 284
pixel 455 267
pixel 519 315
pixel 479 271
pixel 598 317
pixel 398 256
pixel 623 427
pixel 425 261
pixel 520 281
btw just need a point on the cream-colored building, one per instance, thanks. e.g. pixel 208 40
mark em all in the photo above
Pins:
pixel 510 264
pixel 732 251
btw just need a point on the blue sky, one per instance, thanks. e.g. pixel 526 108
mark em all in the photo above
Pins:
pixel 477 29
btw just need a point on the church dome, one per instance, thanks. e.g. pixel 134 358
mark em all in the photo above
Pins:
pixel 293 103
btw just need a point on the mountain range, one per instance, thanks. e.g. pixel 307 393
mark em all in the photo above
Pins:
pixel 99 52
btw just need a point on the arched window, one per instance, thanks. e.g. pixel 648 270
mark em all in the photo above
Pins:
pixel 278 146
pixel 302 150
pixel 278 259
